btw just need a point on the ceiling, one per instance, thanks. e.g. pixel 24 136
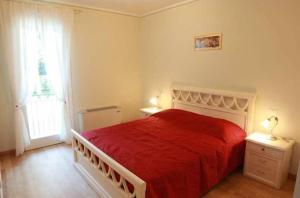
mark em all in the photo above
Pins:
pixel 130 7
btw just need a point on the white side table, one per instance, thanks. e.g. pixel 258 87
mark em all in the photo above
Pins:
pixel 145 112
pixel 268 161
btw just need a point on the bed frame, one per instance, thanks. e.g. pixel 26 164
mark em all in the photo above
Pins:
pixel 110 179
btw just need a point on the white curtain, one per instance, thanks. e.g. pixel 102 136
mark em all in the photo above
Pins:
pixel 56 30
pixel 23 27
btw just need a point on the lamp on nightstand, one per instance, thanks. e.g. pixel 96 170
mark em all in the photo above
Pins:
pixel 271 123
pixel 154 101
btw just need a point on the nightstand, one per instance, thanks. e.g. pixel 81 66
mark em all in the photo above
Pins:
pixel 268 161
pixel 145 112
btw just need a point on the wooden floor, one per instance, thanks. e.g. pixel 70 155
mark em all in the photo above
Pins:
pixel 49 173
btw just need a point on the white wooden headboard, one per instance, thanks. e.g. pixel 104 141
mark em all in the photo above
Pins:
pixel 237 107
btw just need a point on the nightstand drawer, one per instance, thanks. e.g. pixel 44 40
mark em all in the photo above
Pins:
pixel 264 163
pixel 263 150
pixel 268 175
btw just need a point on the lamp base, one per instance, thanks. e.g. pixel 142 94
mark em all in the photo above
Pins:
pixel 273 138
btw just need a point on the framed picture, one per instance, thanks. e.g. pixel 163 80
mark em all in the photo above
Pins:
pixel 213 41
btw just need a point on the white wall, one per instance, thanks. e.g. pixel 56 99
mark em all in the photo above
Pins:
pixel 6 133
pixel 261 46
pixel 6 119
pixel 105 61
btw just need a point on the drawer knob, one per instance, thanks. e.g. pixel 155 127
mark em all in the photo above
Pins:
pixel 262 149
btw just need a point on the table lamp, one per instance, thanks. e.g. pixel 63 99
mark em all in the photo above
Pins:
pixel 270 123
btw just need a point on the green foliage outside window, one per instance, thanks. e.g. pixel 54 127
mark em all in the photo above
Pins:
pixel 43 87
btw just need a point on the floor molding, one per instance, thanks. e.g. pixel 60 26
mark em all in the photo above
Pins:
pixel 292 176
pixel 8 152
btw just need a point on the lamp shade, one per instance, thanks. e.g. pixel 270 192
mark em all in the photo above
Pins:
pixel 154 101
pixel 270 124
pixel 266 123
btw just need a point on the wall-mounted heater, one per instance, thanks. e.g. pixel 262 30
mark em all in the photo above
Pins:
pixel 99 117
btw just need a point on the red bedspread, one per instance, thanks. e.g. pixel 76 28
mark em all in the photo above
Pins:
pixel 178 153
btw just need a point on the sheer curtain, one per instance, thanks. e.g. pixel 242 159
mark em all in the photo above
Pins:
pixel 56 30
pixel 24 28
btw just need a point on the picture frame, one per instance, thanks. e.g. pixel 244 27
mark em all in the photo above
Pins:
pixel 208 42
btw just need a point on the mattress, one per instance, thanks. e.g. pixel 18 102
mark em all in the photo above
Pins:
pixel 177 153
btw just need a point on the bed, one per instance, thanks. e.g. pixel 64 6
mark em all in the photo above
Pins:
pixel 180 152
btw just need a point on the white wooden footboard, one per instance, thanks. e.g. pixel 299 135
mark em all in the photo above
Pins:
pixel 109 178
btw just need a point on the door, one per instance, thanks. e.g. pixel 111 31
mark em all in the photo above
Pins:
pixel 45 111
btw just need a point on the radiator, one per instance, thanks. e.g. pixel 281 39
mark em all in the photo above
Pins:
pixel 99 117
